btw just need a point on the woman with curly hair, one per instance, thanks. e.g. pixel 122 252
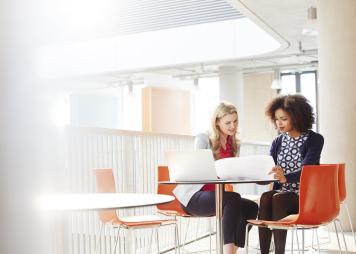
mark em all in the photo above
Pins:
pixel 296 146
pixel 199 200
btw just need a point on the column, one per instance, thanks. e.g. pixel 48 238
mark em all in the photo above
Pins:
pixel 231 88
pixel 28 151
pixel 337 103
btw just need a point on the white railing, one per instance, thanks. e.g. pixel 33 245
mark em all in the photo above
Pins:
pixel 134 157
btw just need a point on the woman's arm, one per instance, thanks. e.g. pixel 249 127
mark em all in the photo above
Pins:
pixel 201 141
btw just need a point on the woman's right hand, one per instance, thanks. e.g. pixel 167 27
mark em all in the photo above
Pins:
pixel 278 174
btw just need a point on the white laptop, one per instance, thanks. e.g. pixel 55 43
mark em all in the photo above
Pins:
pixel 193 165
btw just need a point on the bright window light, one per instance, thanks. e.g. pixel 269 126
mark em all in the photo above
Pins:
pixel 60 111
pixel 205 101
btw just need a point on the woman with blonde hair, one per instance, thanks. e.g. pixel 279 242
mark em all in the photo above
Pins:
pixel 199 200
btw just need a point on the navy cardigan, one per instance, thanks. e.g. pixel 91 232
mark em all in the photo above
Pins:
pixel 310 152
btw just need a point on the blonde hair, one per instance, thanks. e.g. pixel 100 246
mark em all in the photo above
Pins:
pixel 224 108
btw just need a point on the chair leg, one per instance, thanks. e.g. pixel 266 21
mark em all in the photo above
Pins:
pixel 157 240
pixel 292 240
pixel 186 234
pixel 130 241
pixel 98 240
pixel 302 240
pixel 296 234
pixel 176 237
pixel 329 235
pixel 117 240
pixel 176 242
pixel 351 226
pixel 196 232
pixel 337 237
pixel 246 237
pixel 312 243
pixel 272 247
pixel 317 239
pixel 210 229
pixel 151 240
pixel 343 235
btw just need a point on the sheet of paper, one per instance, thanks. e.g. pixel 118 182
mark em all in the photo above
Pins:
pixel 246 167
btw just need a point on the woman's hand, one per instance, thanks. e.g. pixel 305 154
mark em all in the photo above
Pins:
pixel 278 174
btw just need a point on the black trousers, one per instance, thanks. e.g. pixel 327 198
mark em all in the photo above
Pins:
pixel 236 211
pixel 274 206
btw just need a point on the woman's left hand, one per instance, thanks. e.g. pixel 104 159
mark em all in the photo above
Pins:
pixel 278 174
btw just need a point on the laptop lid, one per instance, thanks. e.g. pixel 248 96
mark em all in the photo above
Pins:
pixel 197 165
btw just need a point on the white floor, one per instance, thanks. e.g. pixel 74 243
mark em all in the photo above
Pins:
pixel 327 244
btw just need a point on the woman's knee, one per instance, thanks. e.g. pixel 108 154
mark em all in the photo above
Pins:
pixel 253 208
pixel 265 209
pixel 284 204
pixel 283 198
pixel 232 199
pixel 250 208
pixel 266 198
pixel 234 196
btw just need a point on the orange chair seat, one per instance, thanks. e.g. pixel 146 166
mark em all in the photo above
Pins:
pixel 140 221
pixel 173 213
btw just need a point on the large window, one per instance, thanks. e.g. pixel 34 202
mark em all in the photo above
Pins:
pixel 206 97
pixel 303 83
pixel 113 108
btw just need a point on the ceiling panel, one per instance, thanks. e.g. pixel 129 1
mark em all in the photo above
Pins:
pixel 148 15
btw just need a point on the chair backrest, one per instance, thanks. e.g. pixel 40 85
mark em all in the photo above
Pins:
pixel 105 183
pixel 319 194
pixel 167 189
pixel 341 182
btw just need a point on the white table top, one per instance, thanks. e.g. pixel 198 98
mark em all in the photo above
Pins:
pixel 97 201
pixel 220 181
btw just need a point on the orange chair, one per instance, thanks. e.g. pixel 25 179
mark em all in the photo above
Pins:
pixel 342 197
pixel 174 208
pixel 316 183
pixel 105 183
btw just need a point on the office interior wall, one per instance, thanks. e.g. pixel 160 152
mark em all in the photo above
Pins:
pixel 257 94
pixel 166 111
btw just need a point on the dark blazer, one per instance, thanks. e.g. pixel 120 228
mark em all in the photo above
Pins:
pixel 310 152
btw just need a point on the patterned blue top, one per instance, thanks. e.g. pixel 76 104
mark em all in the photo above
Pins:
pixel 290 159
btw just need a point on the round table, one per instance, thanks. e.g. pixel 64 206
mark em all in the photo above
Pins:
pixel 97 201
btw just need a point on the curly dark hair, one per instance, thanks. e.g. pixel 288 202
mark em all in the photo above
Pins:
pixel 297 107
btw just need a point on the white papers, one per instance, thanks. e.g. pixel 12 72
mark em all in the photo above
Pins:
pixel 199 165
pixel 246 167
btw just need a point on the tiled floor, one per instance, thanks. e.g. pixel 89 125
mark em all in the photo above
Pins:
pixel 326 246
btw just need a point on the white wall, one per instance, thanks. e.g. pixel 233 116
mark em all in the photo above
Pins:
pixel 257 94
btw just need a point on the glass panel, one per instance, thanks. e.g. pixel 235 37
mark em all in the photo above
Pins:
pixel 308 89
pixel 288 84
pixel 113 108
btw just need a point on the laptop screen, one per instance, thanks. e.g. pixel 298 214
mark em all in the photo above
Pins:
pixel 192 165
